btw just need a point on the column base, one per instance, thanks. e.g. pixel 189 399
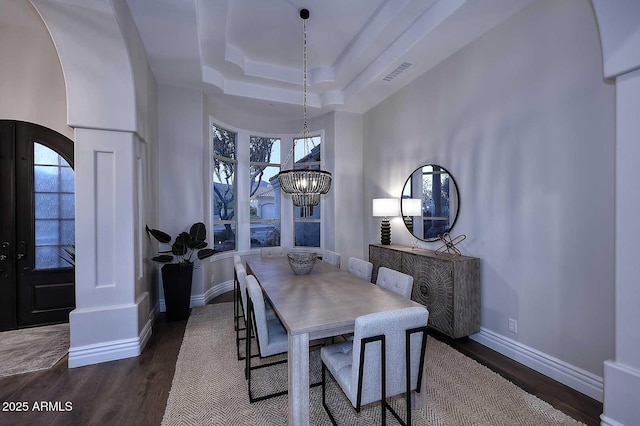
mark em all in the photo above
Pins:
pixel 621 395
pixel 106 334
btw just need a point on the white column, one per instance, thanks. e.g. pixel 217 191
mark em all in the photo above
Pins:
pixel 619 25
pixel 622 375
pixel 104 325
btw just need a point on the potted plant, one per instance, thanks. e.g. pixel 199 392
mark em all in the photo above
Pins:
pixel 177 271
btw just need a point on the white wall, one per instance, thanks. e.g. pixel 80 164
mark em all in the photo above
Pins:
pixel 348 175
pixel 32 86
pixel 524 122
pixel 181 165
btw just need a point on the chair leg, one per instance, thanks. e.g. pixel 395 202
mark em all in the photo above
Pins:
pixel 235 299
pixel 248 368
pixel 383 384
pixel 247 351
pixel 407 396
pixel 240 313
pixel 324 395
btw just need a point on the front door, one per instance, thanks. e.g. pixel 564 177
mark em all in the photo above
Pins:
pixel 36 225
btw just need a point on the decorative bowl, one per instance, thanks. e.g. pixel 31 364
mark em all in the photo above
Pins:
pixel 302 263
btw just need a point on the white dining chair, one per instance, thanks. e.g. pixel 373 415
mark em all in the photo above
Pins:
pixel 394 343
pixel 395 281
pixel 331 257
pixel 360 268
pixel 272 336
pixel 268 252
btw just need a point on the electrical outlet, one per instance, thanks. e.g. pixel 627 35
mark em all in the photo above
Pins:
pixel 213 278
pixel 513 326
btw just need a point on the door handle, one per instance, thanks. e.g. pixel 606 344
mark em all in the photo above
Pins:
pixel 21 250
pixel 3 251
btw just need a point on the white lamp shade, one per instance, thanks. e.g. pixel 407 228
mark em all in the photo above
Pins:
pixel 411 207
pixel 386 207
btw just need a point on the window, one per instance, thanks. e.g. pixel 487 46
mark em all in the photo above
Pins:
pixel 264 191
pixel 54 207
pixel 224 189
pixel 306 154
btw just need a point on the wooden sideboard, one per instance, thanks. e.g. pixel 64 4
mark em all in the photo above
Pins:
pixel 449 286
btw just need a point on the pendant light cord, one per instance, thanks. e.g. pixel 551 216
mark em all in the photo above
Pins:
pixel 305 126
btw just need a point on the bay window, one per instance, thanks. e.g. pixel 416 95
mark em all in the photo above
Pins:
pixel 248 208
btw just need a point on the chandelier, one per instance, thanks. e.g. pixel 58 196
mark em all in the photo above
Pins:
pixel 305 185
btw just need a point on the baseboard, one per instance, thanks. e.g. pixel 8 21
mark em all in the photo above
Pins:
pixel 565 373
pixel 153 315
pixel 145 335
pixel 622 394
pixel 107 351
pixel 212 293
pixel 203 299
pixel 605 421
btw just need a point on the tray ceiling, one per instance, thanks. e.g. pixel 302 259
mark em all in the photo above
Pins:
pixel 248 53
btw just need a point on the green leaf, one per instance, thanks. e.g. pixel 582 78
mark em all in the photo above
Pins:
pixel 163 237
pixel 179 247
pixel 197 245
pixel 204 253
pixel 165 258
pixel 198 231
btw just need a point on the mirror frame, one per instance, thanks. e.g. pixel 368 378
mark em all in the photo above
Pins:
pixel 457 210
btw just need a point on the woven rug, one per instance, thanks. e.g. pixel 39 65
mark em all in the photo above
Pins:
pixel 32 349
pixel 209 387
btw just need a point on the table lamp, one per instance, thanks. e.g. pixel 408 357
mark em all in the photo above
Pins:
pixel 411 207
pixel 385 207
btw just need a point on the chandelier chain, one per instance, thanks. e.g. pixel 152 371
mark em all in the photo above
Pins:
pixel 305 126
pixel 305 185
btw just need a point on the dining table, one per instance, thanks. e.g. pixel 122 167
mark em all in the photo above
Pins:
pixel 321 304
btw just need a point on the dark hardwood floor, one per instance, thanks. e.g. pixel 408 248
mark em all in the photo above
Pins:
pixel 134 391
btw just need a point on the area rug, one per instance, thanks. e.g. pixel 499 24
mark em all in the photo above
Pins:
pixel 209 387
pixel 32 349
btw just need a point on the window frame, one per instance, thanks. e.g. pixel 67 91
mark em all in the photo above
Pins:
pixel 243 225
pixel 234 161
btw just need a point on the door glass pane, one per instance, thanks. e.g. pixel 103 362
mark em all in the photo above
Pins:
pixel 54 205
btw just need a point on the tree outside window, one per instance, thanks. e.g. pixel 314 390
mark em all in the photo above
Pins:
pixel 224 191
pixel 264 191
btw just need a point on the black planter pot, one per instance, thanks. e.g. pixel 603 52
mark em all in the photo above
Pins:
pixel 176 282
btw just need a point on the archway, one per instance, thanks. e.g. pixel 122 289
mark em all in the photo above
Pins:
pixel 93 46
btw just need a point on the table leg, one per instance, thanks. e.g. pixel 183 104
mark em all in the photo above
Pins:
pixel 298 363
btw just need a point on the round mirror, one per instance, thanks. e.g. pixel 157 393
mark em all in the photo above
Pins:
pixel 429 203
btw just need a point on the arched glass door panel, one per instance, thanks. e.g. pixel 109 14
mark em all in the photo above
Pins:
pixel 54 208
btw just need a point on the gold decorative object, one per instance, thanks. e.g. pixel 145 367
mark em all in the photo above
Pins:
pixel 449 246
